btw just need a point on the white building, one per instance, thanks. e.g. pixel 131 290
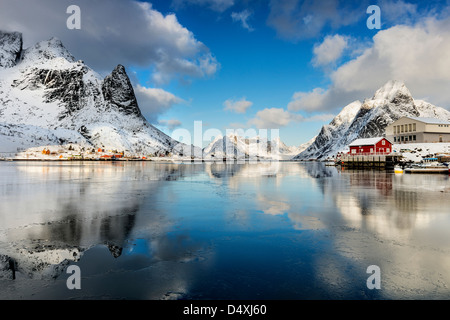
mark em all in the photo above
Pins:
pixel 418 130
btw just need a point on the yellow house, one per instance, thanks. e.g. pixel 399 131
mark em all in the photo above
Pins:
pixel 418 130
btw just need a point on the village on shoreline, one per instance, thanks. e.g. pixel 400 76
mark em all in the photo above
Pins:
pixel 411 153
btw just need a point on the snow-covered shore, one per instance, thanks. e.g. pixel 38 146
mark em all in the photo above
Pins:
pixel 416 152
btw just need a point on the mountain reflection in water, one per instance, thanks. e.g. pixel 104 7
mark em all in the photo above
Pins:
pixel 270 230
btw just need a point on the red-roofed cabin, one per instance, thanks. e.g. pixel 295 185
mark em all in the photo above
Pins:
pixel 370 146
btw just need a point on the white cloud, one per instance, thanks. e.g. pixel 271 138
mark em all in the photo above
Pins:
pixel 154 101
pixel 396 11
pixel 215 5
pixel 297 19
pixel 330 50
pixel 114 32
pixel 170 124
pixel 416 54
pixel 322 117
pixel 239 106
pixel 308 101
pixel 272 118
pixel 242 17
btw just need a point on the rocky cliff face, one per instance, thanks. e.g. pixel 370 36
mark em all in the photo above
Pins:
pixel 10 49
pixel 46 97
pixel 118 92
pixel 369 119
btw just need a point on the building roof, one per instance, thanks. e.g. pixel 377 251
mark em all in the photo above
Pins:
pixel 429 120
pixel 367 142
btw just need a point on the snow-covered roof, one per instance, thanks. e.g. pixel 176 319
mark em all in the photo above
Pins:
pixel 429 120
pixel 366 142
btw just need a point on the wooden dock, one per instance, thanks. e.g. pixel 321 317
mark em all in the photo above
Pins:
pixel 385 162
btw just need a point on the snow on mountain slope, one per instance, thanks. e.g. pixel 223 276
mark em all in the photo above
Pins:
pixel 369 119
pixel 43 89
pixel 10 49
pixel 323 143
pixel 233 146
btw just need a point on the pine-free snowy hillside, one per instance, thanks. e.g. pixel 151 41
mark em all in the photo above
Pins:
pixel 369 119
pixel 47 97
pixel 236 147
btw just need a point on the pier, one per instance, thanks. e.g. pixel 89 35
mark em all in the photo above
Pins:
pixel 370 161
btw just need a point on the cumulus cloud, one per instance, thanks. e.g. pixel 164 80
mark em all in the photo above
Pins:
pixel 242 17
pixel 114 32
pixel 296 19
pixel 308 101
pixel 215 5
pixel 154 101
pixel 416 54
pixel 239 106
pixel 275 118
pixel 271 118
pixel 171 124
pixel 330 50
pixel 395 11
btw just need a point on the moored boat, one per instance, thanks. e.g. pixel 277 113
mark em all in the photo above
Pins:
pixel 428 168
pixel 398 169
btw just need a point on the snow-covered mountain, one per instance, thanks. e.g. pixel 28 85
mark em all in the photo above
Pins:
pixel 47 97
pixel 369 119
pixel 233 146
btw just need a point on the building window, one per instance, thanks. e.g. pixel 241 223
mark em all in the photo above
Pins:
pixel 414 127
pixel 383 142
pixel 353 151
pixel 403 138
pixel 395 139
pixel 410 138
pixel 410 128
pixel 414 137
pixel 371 150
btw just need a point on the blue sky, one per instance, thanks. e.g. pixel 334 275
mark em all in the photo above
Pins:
pixel 262 64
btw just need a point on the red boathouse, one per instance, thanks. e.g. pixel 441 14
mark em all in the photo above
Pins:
pixel 370 146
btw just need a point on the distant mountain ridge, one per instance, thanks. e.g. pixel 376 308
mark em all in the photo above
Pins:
pixel 369 119
pixel 233 146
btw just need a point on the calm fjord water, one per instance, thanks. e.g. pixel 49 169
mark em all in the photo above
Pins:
pixel 146 230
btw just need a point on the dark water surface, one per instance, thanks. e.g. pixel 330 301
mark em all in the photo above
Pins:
pixel 144 230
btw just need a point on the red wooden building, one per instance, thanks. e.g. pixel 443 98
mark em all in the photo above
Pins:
pixel 370 146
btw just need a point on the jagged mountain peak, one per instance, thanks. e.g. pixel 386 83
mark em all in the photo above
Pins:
pixel 47 50
pixel 391 90
pixel 118 91
pixel 347 114
pixel 389 103
pixel 47 98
